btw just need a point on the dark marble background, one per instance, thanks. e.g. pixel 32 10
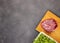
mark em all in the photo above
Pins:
pixel 19 18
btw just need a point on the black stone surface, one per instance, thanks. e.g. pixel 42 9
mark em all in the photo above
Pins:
pixel 19 18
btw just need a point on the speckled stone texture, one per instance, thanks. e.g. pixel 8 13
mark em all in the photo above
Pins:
pixel 19 18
